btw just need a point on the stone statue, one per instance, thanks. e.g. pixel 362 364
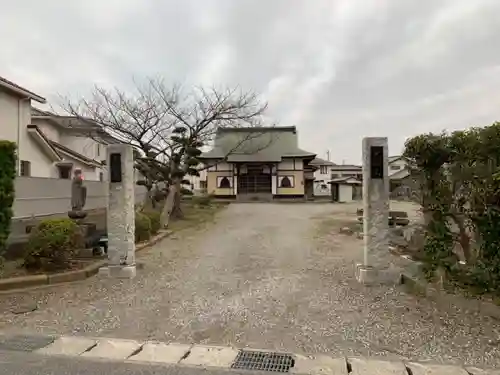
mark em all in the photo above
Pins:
pixel 78 196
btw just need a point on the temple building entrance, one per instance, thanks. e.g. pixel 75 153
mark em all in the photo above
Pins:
pixel 255 179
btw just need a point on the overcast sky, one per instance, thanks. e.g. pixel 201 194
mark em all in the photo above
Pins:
pixel 337 69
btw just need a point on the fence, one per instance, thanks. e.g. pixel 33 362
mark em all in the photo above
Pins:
pixel 47 196
pixel 38 198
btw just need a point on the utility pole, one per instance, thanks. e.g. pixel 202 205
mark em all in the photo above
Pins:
pixel 328 155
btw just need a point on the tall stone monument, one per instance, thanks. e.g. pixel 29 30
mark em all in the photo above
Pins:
pixel 121 213
pixel 375 210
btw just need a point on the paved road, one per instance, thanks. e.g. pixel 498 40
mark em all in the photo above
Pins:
pixel 263 276
pixel 15 363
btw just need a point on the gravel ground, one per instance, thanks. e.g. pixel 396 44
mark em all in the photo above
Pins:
pixel 264 276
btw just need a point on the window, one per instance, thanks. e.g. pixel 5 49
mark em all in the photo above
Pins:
pixel 25 168
pixel 98 147
pixel 224 183
pixel 323 169
pixel 395 167
pixel 286 182
pixel 203 184
pixel 65 172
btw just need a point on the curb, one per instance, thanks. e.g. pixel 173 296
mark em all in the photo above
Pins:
pixel 153 241
pixel 13 284
pixel 227 357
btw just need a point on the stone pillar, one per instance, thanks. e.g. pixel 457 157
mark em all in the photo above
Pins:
pixel 274 179
pixel 375 209
pixel 121 212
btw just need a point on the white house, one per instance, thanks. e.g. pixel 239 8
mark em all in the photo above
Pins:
pixel 198 184
pixel 15 116
pixel 398 167
pixel 49 145
pixel 71 143
pixel 347 170
pixel 322 175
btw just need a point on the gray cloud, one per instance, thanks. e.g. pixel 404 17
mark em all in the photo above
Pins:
pixel 339 70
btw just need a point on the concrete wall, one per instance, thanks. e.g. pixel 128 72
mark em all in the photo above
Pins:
pixel 46 196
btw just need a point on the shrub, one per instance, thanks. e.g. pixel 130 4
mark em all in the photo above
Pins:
pixel 204 200
pixel 54 241
pixel 186 191
pixel 142 227
pixel 154 218
pixel 7 176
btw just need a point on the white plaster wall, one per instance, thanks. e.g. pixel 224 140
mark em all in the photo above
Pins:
pixel 345 193
pixel 84 145
pixel 223 166
pixel 50 130
pixel 8 117
pixel 321 179
pixel 401 163
pixel 320 190
pixel 345 173
pixel 288 164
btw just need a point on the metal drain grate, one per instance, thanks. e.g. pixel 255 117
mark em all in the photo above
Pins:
pixel 263 361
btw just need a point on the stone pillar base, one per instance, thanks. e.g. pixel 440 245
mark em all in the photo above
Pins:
pixel 366 275
pixel 119 272
pixel 369 275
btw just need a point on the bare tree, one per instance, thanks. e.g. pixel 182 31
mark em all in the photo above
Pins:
pixel 168 126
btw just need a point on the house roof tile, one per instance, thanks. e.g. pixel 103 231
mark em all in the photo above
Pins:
pixel 256 144
pixel 14 87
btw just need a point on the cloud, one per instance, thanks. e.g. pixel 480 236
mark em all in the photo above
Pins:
pixel 338 70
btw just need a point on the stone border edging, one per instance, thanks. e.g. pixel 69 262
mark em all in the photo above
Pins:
pixel 12 284
pixel 223 357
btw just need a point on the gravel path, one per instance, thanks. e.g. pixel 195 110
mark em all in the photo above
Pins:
pixel 262 276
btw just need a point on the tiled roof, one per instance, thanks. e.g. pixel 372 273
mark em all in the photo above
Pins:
pixel 343 167
pixel 73 153
pixel 318 161
pixel 9 85
pixel 256 144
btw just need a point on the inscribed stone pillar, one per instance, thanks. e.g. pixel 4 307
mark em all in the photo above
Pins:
pixel 121 212
pixel 375 208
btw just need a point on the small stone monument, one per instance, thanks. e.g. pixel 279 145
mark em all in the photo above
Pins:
pixel 121 213
pixel 78 196
pixel 375 210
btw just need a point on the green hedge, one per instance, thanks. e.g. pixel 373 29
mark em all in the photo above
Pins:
pixel 142 227
pixel 53 242
pixel 154 218
pixel 7 191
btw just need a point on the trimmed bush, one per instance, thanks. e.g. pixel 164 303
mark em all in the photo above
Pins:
pixel 203 201
pixel 53 242
pixel 154 217
pixel 7 176
pixel 186 191
pixel 142 227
